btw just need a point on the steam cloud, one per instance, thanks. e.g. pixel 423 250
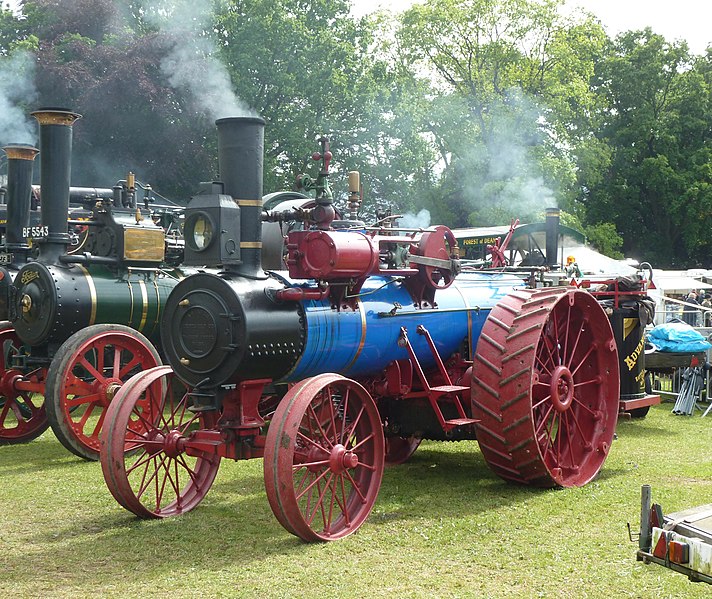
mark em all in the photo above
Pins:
pixel 510 177
pixel 192 63
pixel 415 221
pixel 16 85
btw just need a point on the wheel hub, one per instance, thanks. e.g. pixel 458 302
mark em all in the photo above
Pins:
pixel 107 389
pixel 173 444
pixel 7 382
pixel 561 388
pixel 341 459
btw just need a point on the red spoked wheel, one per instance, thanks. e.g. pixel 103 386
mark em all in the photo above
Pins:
pixel 399 449
pixel 88 370
pixel 324 458
pixel 149 459
pixel 545 387
pixel 439 243
pixel 22 413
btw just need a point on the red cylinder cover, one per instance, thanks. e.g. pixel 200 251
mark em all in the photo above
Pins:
pixel 331 255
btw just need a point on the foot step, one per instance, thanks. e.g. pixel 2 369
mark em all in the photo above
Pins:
pixel 450 389
pixel 461 421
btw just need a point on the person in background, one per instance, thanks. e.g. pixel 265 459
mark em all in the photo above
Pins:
pixel 706 303
pixel 572 269
pixel 689 312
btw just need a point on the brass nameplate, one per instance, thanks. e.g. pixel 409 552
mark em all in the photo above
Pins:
pixel 144 245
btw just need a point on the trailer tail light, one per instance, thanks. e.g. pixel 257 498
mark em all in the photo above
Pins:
pixel 679 552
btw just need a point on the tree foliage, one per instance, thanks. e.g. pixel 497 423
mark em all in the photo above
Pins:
pixel 508 80
pixel 655 186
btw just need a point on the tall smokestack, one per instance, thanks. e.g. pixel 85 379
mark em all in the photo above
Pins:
pixel 552 236
pixel 20 162
pixel 240 160
pixel 56 149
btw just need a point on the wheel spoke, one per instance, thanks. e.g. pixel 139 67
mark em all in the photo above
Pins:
pixel 360 443
pixel 588 382
pixel 117 370
pixel 541 402
pixel 4 411
pixel 90 368
pixel 322 433
pixel 192 420
pixel 319 507
pixel 582 361
pixel 574 349
pixel 355 486
pixel 345 411
pixel 311 441
pixel 549 410
pixel 99 424
pixel 78 400
pixel 83 420
pixel 140 461
pixel 314 482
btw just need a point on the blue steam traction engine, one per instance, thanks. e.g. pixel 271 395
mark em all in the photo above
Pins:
pixel 369 343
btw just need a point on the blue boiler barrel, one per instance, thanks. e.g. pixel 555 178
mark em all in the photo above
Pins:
pixel 220 329
pixel 363 342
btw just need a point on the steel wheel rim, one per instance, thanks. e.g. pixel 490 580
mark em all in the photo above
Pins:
pixel 91 379
pixel 546 387
pixel 144 458
pixel 22 414
pixel 323 471
pixel 400 449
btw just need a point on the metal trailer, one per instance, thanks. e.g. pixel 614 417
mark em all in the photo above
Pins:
pixel 681 541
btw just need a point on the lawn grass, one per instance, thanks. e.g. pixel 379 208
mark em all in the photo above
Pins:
pixel 443 526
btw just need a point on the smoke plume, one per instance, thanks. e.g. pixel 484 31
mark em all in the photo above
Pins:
pixel 193 63
pixel 505 178
pixel 415 221
pixel 17 86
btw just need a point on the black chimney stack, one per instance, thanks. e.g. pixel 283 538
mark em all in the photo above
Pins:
pixel 241 160
pixel 552 236
pixel 20 161
pixel 56 149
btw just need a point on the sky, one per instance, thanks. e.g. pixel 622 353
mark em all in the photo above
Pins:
pixel 678 19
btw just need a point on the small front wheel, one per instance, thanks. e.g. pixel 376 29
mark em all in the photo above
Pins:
pixel 23 416
pixel 324 457
pixel 146 457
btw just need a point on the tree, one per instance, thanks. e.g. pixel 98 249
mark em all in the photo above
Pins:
pixel 513 75
pixel 310 69
pixel 656 187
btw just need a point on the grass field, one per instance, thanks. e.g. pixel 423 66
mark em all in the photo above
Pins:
pixel 443 526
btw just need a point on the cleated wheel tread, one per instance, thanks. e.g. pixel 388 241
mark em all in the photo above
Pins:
pixel 548 419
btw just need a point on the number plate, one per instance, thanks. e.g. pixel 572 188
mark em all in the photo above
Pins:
pixel 5 258
pixel 36 232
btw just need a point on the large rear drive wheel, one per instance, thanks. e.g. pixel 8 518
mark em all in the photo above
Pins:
pixel 88 370
pixel 147 459
pixel 324 458
pixel 22 413
pixel 545 387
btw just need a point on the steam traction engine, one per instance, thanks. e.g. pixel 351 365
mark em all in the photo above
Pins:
pixel 61 341
pixel 369 343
